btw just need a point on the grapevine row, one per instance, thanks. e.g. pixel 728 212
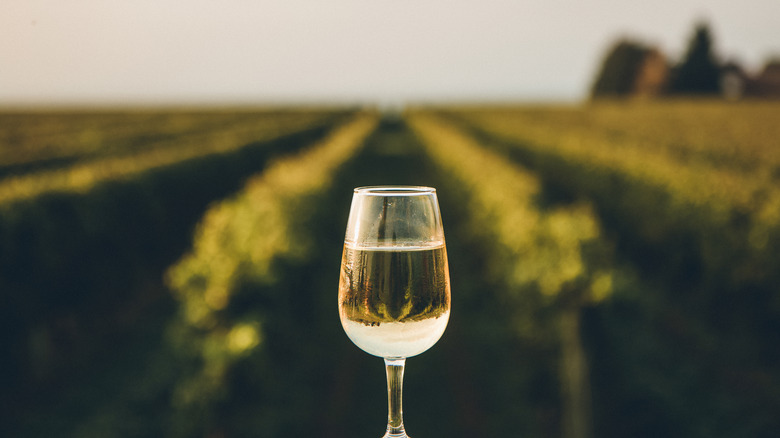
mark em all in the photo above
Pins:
pixel 237 246
pixel 550 257
pixel 77 254
pixel 736 136
pixel 543 247
pixel 172 148
pixel 725 221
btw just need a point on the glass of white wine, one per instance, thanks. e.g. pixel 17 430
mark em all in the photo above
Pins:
pixel 394 288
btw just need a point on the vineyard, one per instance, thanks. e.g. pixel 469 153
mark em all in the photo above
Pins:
pixel 615 268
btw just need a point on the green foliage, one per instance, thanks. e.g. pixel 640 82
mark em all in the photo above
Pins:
pixel 706 290
pixel 232 302
pixel 539 250
pixel 551 261
pixel 74 168
pixel 704 211
pixel 677 340
pixel 81 268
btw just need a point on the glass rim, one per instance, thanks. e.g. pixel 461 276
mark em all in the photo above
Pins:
pixel 390 190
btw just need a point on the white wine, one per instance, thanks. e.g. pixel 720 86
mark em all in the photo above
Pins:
pixel 394 289
pixel 394 302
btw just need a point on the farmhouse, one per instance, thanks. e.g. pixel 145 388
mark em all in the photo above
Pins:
pixel 652 74
pixel 634 70
pixel 766 83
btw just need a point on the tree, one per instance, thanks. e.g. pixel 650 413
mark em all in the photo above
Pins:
pixel 699 72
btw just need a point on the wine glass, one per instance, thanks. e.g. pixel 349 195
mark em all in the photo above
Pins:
pixel 394 288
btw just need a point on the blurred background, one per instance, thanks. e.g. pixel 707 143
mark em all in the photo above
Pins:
pixel 348 51
pixel 175 181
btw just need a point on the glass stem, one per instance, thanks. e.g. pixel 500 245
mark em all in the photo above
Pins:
pixel 395 383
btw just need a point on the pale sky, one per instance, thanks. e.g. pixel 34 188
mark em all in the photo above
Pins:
pixel 355 51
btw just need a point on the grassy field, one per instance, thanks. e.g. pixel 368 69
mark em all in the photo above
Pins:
pixel 615 269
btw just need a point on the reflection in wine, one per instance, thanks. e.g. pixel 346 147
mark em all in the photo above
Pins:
pixel 394 301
